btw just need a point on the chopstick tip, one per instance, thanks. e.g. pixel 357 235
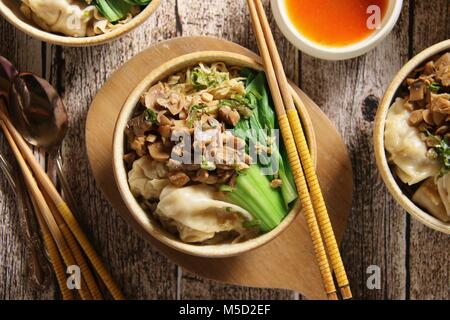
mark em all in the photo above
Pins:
pixel 332 296
pixel 346 292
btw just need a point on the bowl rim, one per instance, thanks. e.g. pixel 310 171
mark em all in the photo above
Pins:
pixel 329 52
pixel 53 38
pixel 120 175
pixel 380 153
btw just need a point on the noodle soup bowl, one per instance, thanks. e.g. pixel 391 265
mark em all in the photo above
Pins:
pixel 10 10
pixel 396 188
pixel 146 219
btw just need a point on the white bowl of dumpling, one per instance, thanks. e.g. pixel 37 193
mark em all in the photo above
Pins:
pixel 195 209
pixel 69 22
pixel 409 128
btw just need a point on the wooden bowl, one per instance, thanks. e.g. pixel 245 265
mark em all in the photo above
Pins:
pixel 148 223
pixel 10 10
pixel 380 152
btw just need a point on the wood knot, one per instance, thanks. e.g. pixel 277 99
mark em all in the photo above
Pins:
pixel 369 107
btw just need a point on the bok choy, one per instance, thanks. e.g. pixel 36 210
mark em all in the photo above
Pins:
pixel 116 10
pixel 253 190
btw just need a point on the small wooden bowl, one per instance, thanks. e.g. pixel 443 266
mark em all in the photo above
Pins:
pixel 152 226
pixel 380 152
pixel 10 10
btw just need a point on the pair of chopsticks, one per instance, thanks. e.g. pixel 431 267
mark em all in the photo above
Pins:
pixel 64 240
pixel 300 160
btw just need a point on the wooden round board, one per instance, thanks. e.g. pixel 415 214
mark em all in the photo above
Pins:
pixel 288 262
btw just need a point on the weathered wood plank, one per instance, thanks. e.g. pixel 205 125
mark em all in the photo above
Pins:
pixel 429 256
pixel 15 276
pixel 137 267
pixel 348 92
pixel 414 260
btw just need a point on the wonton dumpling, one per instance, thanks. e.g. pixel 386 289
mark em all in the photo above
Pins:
pixel 198 214
pixel 147 178
pixel 69 17
pixel 429 198
pixel 407 151
pixel 443 186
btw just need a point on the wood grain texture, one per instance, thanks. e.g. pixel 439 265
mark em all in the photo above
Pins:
pixel 226 19
pixel 428 255
pixel 414 260
pixel 138 269
pixel 349 92
pixel 15 274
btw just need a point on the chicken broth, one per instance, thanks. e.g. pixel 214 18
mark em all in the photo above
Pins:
pixel 334 23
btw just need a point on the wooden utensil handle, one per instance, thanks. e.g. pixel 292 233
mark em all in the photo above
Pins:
pixel 58 266
pixel 319 204
pixel 76 251
pixel 55 258
pixel 43 208
pixel 307 207
pixel 90 252
pixel 81 262
pixel 64 210
pixel 305 157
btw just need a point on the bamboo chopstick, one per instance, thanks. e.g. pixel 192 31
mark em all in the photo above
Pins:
pixel 76 251
pixel 61 206
pixel 44 210
pixel 308 166
pixel 293 158
pixel 52 250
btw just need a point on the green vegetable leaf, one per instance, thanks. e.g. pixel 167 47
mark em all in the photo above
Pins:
pixel 435 86
pixel 253 192
pixel 202 80
pixel 116 10
pixel 151 116
pixel 443 151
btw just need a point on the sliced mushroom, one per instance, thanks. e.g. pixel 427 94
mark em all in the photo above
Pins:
pixel 150 97
pixel 440 103
pixel 129 158
pixel 428 117
pixel 179 179
pixel 174 103
pixel 163 120
pixel 139 125
pixel 165 131
pixel 442 130
pixel 174 165
pixel 439 118
pixel 416 117
pixel 229 116
pixel 151 138
pixel 429 68
pixel 138 145
pixel 442 67
pixel 417 91
pixel 158 152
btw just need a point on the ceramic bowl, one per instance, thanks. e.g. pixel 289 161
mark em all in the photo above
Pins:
pixel 335 53
pixel 380 153
pixel 152 226
pixel 10 10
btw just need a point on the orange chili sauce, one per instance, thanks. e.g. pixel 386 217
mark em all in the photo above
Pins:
pixel 334 23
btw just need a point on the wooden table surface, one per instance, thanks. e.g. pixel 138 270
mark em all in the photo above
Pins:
pixel 414 260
